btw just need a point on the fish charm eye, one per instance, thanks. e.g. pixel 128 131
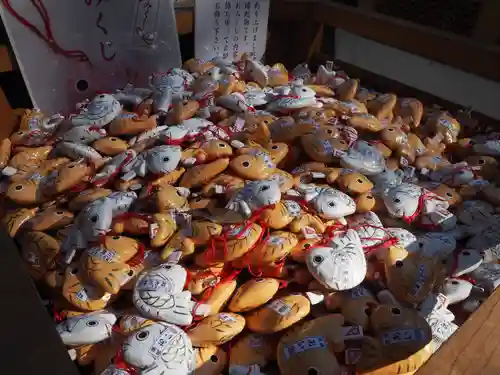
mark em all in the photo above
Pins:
pixel 141 336
pixel 318 259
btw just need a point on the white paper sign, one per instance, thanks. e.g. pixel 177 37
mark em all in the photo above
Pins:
pixel 98 45
pixel 229 28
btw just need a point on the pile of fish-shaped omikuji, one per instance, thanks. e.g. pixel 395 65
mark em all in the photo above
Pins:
pixel 235 216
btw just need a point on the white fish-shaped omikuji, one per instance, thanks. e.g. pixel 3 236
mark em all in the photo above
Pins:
pixel 113 167
pixel 87 329
pixel 100 111
pixel 453 175
pixel 440 319
pixel 148 136
pixel 490 147
pixel 387 179
pixel 404 237
pixel 160 348
pixel 255 195
pixel 158 294
pixel 95 219
pixel 77 151
pixel 487 241
pixel 456 290
pixel 169 86
pixel 328 202
pixel 339 264
pixel 235 102
pixel 114 370
pixel 364 158
pixel 84 135
pixel 188 130
pixel 487 275
pixel 434 244
pixel 370 229
pixel 295 96
pixel 132 95
pixel 476 213
pixel 407 201
pixel 158 160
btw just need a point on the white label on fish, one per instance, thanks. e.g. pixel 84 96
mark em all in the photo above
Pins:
pixel 400 336
pixel 103 254
pixel 280 307
pixel 158 347
pixel 148 283
pixel 314 342
pixel 226 318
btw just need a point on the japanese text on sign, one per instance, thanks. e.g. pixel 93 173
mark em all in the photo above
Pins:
pixel 84 46
pixel 230 28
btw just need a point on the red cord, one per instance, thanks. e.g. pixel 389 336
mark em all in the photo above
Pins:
pixel 138 257
pixel 421 200
pixel 468 278
pixel 211 252
pixel 48 37
pixel 120 363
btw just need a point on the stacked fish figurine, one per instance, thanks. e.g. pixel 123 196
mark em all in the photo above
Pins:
pixel 237 217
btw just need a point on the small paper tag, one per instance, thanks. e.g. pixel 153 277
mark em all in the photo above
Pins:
pixel 238 125
pixel 314 342
pixel 151 284
pixel 189 161
pixel 68 258
pixel 280 307
pixel 9 171
pixel 226 318
pixel 352 332
pixel 32 258
pixel 401 336
pixel 102 253
pixel 153 230
pixel 318 175
pixel 309 233
pixel 275 240
pixel 82 295
pixel 478 182
pixel 256 341
pixel 352 355
pixel 237 144
pixel 158 347
pixel 339 153
pixel 403 161
pixel 219 189
pixel 128 176
pixel 175 257
pixel 358 292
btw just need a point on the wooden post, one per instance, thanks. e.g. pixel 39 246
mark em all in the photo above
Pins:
pixel 488 22
pixel 5 62
pixel 367 5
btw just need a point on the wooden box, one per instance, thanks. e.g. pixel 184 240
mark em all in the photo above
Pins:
pixel 28 342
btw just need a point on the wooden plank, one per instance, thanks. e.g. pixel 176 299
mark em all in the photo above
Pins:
pixel 184 19
pixel 443 47
pixel 5 61
pixel 367 5
pixel 488 23
pixel 8 118
pixel 475 347
pixel 29 342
